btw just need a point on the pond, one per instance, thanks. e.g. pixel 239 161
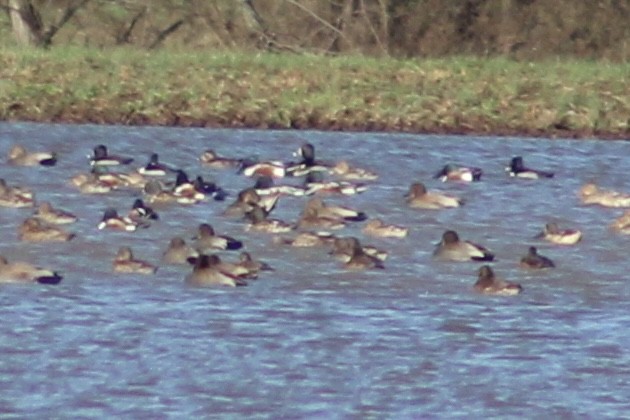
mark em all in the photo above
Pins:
pixel 311 339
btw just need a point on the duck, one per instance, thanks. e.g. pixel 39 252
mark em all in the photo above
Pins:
pixel 206 273
pixel 116 180
pixel 101 157
pixel 552 233
pixel 308 164
pixel 622 223
pixel 141 213
pixel 23 272
pixel 451 248
pixel 155 193
pixel 315 184
pixel 15 197
pixel 18 156
pixel 34 230
pixel 91 184
pixel 274 168
pixel 322 209
pixel 310 218
pixel 15 190
pixel 259 222
pixel 359 260
pixel 518 169
pixel 343 248
pixel 343 170
pixel 265 186
pixel 211 159
pixel 591 194
pixel 307 239
pixel 534 260
pixel 487 283
pixel 111 220
pixel 124 262
pixel 377 227
pixel 179 252
pixel 209 188
pixel 248 199
pixel 207 239
pixel 419 198
pixel 185 188
pixel 48 214
pixel 246 261
pixel 155 168
pixel 452 172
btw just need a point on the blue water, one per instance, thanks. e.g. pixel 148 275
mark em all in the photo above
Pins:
pixel 310 340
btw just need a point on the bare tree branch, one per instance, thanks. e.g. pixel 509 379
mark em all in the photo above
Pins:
pixel 69 12
pixel 166 32
pixel 372 29
pixel 317 18
pixel 124 37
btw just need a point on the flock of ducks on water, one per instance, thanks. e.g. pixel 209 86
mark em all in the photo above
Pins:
pixel 255 204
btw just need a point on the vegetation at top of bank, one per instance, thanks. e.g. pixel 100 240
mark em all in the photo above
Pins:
pixel 231 89
pixel 520 29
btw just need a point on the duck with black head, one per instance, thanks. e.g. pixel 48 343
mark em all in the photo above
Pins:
pixel 518 169
pixel 308 164
pixel 102 157
pixel 534 260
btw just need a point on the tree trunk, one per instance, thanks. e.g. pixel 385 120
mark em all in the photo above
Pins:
pixel 26 22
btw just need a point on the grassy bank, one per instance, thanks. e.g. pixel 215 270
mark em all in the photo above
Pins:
pixel 454 95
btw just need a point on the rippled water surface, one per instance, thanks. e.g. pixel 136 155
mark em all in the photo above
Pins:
pixel 310 339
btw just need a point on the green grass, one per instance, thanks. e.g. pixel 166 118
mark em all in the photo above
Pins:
pixel 459 94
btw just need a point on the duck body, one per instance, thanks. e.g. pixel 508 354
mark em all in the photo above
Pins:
pixel 91 184
pixel 590 194
pixel 154 167
pixel 307 240
pixel 534 260
pixel 261 223
pixel 34 230
pixel 112 221
pixel 359 260
pixel 126 263
pixel 48 214
pixel 206 239
pixel 212 160
pixel 451 248
pixel 318 207
pixel 315 184
pixel 343 170
pixel 179 252
pixel 554 234
pixel 23 272
pixel 15 197
pixel 140 213
pixel 274 169
pixel 419 198
pixel 206 274
pixel 102 157
pixel 518 169
pixel 343 249
pixel 19 156
pixel 378 228
pixel 487 283
pixel 452 172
